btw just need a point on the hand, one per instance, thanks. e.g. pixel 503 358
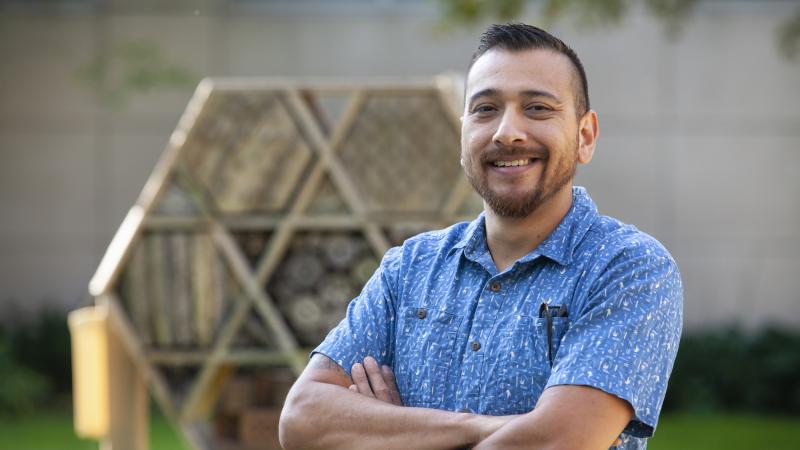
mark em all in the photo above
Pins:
pixel 374 381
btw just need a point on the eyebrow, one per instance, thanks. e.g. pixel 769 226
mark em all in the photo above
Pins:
pixel 490 92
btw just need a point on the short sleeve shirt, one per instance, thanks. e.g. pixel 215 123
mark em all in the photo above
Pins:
pixel 462 337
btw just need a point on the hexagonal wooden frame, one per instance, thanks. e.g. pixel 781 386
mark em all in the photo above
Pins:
pixel 297 98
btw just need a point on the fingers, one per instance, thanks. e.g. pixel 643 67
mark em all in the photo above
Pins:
pixel 379 386
pixel 375 381
pixel 361 381
pixel 391 382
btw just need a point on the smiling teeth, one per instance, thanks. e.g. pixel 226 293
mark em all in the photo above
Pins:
pixel 519 162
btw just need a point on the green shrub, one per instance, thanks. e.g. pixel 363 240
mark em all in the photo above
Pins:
pixel 22 389
pixel 42 343
pixel 34 361
pixel 733 371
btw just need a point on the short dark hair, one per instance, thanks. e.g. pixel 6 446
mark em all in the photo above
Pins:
pixel 519 36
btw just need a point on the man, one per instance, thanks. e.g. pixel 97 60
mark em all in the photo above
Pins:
pixel 539 325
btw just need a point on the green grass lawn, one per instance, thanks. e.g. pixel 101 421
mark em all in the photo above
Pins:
pixel 53 431
pixel 726 432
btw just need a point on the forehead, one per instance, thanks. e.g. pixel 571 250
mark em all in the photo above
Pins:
pixel 517 71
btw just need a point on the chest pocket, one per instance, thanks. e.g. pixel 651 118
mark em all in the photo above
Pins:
pixel 425 353
pixel 518 376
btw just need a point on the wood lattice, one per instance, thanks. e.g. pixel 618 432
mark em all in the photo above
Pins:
pixel 267 213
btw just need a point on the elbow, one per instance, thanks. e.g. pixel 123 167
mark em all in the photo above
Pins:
pixel 287 432
pixel 291 425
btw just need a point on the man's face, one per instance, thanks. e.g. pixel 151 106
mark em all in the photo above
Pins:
pixel 519 133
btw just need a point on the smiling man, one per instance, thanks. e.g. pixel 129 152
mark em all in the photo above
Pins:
pixel 540 325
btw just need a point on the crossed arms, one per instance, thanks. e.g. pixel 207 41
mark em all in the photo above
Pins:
pixel 326 409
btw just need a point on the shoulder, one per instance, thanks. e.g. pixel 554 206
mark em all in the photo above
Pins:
pixel 620 258
pixel 435 243
pixel 425 249
pixel 609 240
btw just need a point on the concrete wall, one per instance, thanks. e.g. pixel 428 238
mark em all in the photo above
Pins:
pixel 700 137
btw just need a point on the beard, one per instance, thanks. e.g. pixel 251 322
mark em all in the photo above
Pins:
pixel 521 205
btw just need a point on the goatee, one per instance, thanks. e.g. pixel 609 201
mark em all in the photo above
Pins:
pixel 520 206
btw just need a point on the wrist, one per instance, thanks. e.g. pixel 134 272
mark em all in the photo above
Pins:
pixel 476 427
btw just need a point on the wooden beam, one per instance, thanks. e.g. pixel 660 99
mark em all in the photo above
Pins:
pixel 284 339
pixel 120 323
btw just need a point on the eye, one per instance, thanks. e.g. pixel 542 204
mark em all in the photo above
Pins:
pixel 483 109
pixel 538 108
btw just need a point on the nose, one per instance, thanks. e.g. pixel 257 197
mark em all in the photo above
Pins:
pixel 511 129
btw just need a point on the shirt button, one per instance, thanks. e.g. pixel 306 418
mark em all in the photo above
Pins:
pixel 421 313
pixel 476 346
pixel 495 286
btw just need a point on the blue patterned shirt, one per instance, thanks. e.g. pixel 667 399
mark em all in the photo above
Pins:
pixel 462 337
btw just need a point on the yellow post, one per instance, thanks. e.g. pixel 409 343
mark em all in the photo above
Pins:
pixel 110 398
pixel 89 331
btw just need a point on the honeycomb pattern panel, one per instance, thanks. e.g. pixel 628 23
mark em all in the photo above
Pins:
pixel 246 152
pixel 177 290
pixel 401 152
pixel 318 277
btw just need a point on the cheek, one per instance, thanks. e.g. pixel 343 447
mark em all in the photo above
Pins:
pixel 472 142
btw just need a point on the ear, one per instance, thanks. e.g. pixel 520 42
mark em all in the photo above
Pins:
pixel 588 131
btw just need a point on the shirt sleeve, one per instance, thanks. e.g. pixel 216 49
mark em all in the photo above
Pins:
pixel 368 328
pixel 626 338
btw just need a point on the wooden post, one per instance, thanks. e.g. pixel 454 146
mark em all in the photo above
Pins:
pixel 129 401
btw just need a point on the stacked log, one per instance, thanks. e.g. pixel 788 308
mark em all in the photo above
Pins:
pixel 320 275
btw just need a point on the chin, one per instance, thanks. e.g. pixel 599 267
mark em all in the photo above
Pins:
pixel 516 207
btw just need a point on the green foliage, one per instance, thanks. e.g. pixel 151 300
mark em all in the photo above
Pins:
pixel 133 67
pixel 789 37
pixel 732 371
pixel 595 13
pixel 42 344
pixel 588 13
pixel 34 361
pixel 22 389
pixel 472 11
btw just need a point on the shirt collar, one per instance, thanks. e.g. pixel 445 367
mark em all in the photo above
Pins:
pixel 558 246
pixel 476 230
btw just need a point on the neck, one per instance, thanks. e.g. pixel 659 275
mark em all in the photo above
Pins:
pixel 511 238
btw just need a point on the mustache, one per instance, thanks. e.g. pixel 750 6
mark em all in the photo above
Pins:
pixel 502 152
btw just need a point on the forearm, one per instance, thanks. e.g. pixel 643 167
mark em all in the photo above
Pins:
pixel 566 417
pixel 327 416
pixel 520 433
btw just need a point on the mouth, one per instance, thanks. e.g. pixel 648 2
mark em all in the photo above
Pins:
pixel 514 163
